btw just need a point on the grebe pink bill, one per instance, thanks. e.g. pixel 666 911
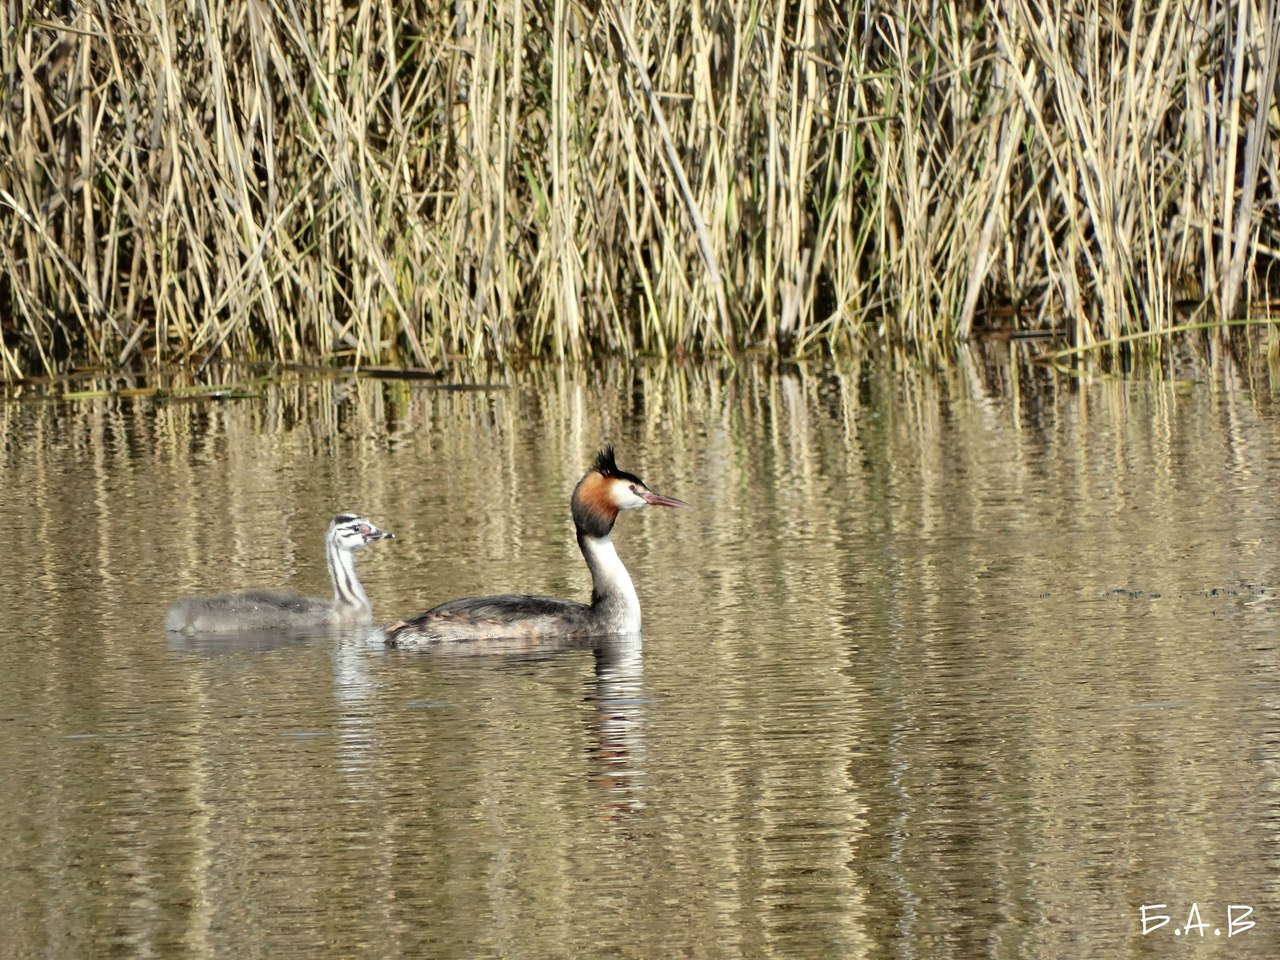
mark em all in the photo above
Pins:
pixel 263 610
pixel 518 619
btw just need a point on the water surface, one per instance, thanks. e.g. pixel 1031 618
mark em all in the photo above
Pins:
pixel 970 664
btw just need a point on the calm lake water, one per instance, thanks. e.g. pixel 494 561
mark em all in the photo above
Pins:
pixel 971 663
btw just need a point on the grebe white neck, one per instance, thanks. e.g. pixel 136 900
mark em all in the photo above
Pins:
pixel 613 594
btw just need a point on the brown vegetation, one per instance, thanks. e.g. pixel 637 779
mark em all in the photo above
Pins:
pixel 403 182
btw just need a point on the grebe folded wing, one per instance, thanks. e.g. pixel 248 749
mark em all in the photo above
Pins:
pixel 509 616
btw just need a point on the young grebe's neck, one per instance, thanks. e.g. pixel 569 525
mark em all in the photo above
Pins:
pixel 348 593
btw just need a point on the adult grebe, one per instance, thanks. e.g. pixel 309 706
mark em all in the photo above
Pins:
pixel 282 609
pixel 614 606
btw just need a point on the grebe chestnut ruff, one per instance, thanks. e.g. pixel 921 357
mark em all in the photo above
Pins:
pixel 284 609
pixel 614 607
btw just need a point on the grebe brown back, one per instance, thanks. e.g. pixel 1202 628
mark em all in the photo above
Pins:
pixel 283 609
pixel 614 608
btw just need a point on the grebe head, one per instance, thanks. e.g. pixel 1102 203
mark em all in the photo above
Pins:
pixel 348 531
pixel 606 490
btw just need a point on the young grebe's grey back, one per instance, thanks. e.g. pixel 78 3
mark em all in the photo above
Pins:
pixel 281 609
pixel 614 608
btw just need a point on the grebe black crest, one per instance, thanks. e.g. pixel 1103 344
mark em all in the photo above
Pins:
pixel 286 609
pixel 602 493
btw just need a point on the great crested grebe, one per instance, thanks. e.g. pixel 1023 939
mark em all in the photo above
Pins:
pixel 614 606
pixel 283 609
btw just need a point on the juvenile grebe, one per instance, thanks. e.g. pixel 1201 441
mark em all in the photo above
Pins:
pixel 280 609
pixel 614 606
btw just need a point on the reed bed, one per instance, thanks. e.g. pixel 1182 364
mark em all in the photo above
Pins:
pixel 407 183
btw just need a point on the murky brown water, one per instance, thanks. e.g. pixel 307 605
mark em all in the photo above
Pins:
pixel 973 665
